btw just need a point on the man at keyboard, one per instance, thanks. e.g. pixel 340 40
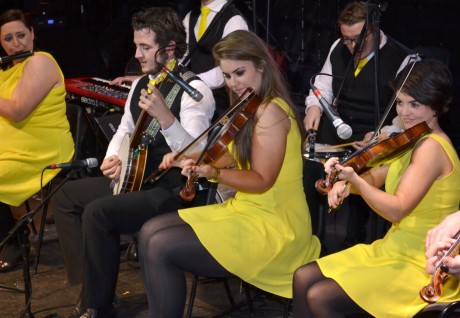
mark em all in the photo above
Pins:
pixel 89 218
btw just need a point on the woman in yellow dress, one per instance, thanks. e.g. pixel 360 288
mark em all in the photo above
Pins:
pixel 264 232
pixel 33 123
pixel 422 187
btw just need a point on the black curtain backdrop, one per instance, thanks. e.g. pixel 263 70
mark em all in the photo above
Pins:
pixel 94 38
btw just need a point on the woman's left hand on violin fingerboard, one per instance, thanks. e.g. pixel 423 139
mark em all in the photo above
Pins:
pixel 205 171
pixel 343 173
pixel 340 189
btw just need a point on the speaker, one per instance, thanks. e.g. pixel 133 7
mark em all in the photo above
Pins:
pixel 108 124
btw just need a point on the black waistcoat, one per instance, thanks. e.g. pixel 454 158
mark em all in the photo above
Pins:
pixel 202 59
pixel 158 147
pixel 356 100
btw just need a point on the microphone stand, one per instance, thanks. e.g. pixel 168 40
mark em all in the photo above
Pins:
pixel 21 230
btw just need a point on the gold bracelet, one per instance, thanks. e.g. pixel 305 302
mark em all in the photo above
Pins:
pixel 216 176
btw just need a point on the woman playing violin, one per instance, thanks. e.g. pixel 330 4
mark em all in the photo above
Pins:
pixel 262 234
pixel 422 186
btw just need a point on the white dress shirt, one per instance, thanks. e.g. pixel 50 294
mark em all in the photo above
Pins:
pixel 214 78
pixel 195 117
pixel 324 83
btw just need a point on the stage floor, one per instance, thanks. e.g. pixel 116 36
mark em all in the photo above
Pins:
pixel 52 296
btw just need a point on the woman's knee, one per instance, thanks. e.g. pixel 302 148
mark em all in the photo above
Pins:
pixel 152 226
pixel 306 275
pixel 147 230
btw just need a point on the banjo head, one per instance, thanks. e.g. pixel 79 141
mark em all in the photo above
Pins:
pixel 125 158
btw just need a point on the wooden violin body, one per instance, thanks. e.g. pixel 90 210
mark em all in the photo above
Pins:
pixel 433 291
pixel 376 153
pixel 246 106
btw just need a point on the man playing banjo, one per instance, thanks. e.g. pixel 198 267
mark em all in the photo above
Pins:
pixel 89 217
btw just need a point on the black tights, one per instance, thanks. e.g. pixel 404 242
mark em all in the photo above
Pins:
pixel 318 296
pixel 168 247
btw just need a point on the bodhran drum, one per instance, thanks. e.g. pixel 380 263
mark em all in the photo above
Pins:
pixel 322 152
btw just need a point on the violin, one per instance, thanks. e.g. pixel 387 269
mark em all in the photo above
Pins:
pixel 432 292
pixel 247 106
pixel 375 153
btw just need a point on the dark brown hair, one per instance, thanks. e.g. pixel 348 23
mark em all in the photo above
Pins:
pixel 247 46
pixel 11 16
pixel 166 25
pixel 429 83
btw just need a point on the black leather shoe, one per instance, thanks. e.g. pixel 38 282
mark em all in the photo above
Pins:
pixel 78 311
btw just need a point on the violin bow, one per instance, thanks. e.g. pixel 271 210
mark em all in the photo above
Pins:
pixel 393 99
pixel 222 120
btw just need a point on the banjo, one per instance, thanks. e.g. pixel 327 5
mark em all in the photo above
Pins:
pixel 134 148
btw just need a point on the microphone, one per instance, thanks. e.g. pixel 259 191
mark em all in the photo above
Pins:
pixel 18 56
pixel 195 94
pixel 85 163
pixel 343 130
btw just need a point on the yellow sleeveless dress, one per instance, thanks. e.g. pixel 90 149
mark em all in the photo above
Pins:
pixel 385 277
pixel 262 238
pixel 29 146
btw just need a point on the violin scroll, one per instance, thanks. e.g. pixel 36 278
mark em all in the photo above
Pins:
pixel 323 186
pixel 188 192
pixel 433 291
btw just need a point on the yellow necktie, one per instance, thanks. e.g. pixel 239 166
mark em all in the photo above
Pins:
pixel 360 66
pixel 161 77
pixel 202 27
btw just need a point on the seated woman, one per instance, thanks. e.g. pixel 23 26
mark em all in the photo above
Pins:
pixel 438 241
pixel 421 188
pixel 33 124
pixel 264 232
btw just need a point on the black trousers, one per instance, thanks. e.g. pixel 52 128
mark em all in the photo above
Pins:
pixel 89 221
pixel 6 220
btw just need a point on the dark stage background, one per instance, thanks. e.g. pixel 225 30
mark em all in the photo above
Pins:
pixel 94 38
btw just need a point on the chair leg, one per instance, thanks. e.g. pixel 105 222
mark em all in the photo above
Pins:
pixel 229 292
pixel 41 232
pixel 450 309
pixel 248 296
pixel 191 299
pixel 287 305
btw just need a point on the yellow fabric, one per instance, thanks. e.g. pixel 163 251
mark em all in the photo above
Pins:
pixel 262 238
pixel 385 278
pixel 204 15
pixel 29 146
pixel 161 77
pixel 360 66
